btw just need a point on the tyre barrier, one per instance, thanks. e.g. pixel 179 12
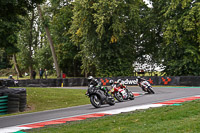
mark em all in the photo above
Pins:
pixel 16 100
pixel 13 103
pixel 3 105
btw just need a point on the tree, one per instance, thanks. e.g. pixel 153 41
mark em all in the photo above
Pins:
pixel 43 58
pixel 11 13
pixel 4 60
pixel 182 38
pixel 50 43
pixel 150 34
pixel 28 42
pixel 19 74
pixel 106 32
pixel 66 51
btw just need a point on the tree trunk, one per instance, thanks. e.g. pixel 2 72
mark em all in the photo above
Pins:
pixel 50 43
pixel 19 74
pixel 30 46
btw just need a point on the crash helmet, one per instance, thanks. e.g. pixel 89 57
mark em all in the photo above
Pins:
pixel 111 82
pixel 10 76
pixel 138 79
pixel 96 80
pixel 90 78
pixel 119 81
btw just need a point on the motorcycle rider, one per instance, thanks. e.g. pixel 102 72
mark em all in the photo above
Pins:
pixel 14 81
pixel 111 83
pixel 92 82
pixel 142 82
pixel 119 87
pixel 119 82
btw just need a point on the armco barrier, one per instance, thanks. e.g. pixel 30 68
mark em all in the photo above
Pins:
pixel 155 80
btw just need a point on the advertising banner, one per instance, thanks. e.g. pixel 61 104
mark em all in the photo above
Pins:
pixel 132 80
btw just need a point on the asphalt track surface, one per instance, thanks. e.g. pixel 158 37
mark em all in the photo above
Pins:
pixel 162 94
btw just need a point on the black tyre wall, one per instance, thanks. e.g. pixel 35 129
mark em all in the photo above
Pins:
pixel 16 100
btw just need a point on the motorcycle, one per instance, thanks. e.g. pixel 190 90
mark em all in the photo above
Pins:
pixel 98 97
pixel 121 93
pixel 146 87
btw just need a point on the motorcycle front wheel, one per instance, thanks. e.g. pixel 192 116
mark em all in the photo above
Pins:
pixel 95 101
pixel 119 96
pixel 111 101
pixel 150 90
pixel 131 96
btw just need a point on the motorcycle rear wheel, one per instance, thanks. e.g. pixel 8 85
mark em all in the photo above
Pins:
pixel 95 101
pixel 111 101
pixel 119 96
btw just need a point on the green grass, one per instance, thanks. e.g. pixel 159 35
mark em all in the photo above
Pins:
pixel 53 98
pixel 53 76
pixel 40 99
pixel 167 119
pixel 28 77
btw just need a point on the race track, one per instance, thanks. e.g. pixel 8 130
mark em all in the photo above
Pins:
pixel 162 94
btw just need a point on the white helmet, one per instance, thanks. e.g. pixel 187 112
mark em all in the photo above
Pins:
pixel 119 81
pixel 111 82
pixel 90 78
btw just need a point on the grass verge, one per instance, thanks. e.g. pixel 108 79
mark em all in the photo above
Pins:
pixel 53 98
pixel 166 119
pixel 40 99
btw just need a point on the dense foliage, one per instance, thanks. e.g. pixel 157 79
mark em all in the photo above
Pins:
pixel 10 20
pixel 68 60
pixel 102 38
pixel 105 31
pixel 182 38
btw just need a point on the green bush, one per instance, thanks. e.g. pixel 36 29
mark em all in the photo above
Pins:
pixel 7 72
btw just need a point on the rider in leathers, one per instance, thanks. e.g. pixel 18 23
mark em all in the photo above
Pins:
pixel 142 82
pixel 92 82
pixel 119 83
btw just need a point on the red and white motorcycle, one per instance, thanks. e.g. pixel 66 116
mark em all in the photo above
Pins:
pixel 120 92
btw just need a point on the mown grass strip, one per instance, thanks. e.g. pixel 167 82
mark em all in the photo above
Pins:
pixel 53 98
pixel 173 119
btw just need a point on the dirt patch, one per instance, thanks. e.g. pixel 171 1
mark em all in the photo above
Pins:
pixel 30 108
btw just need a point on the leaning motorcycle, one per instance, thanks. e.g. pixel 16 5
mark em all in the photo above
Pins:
pixel 98 97
pixel 121 94
pixel 146 87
